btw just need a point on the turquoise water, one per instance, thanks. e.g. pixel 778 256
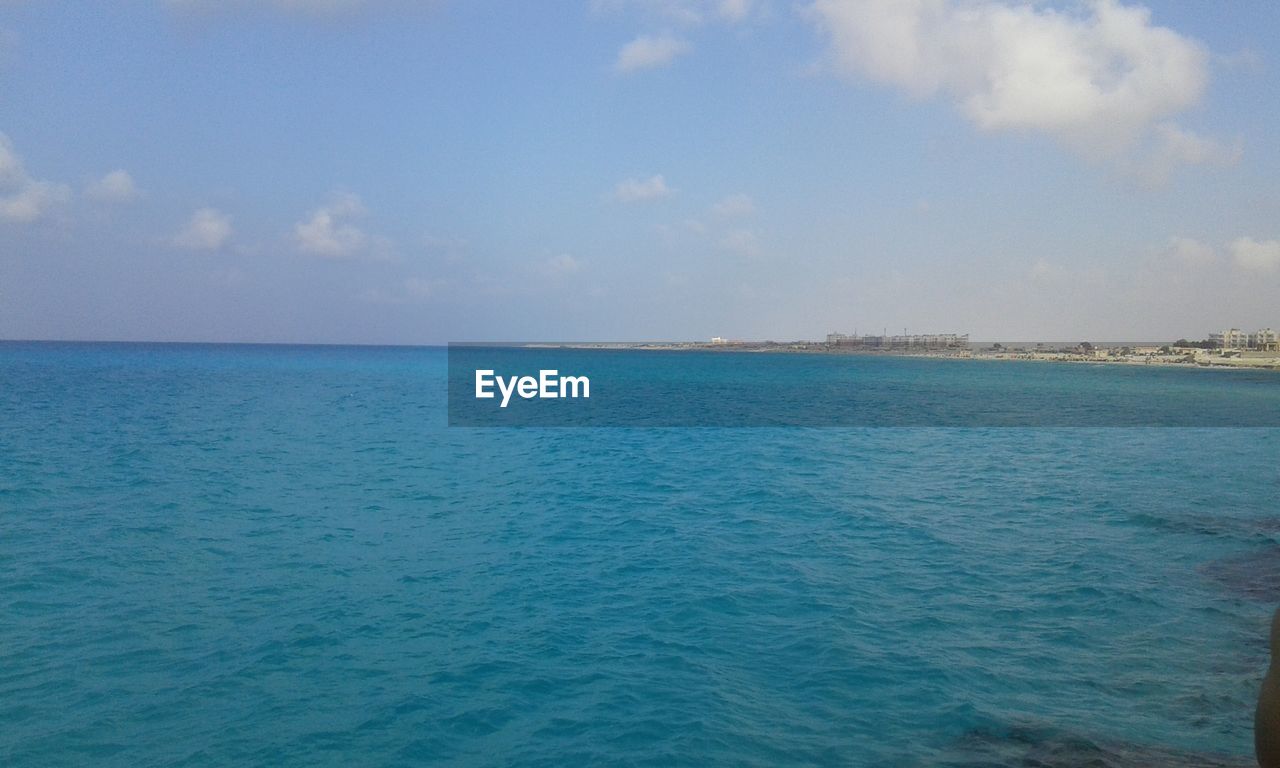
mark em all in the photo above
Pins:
pixel 282 556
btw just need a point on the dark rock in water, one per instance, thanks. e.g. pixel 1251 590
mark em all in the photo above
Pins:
pixel 1266 723
pixel 1255 575
pixel 1035 747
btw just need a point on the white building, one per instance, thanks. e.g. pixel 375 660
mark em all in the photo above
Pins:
pixel 1265 339
pixel 1234 338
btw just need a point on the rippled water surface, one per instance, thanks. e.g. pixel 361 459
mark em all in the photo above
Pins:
pixel 282 556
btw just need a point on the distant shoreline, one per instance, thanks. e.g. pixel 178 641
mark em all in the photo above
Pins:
pixel 1198 359
pixel 1104 355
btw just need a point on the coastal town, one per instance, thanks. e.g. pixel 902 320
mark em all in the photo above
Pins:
pixel 1231 348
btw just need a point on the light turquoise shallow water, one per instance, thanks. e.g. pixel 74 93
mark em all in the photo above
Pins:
pixel 281 556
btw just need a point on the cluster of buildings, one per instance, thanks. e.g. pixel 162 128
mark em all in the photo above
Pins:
pixel 916 341
pixel 1265 340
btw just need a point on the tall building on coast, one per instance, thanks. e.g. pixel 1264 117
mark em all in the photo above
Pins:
pixel 915 341
pixel 1265 340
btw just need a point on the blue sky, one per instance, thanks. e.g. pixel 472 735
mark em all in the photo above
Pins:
pixel 395 172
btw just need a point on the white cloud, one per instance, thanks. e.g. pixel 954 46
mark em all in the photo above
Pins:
pixel 639 190
pixel 1192 260
pixel 734 205
pixel 1188 254
pixel 22 198
pixel 116 187
pixel 32 201
pixel 329 233
pixel 1097 81
pixel 207 230
pixel 646 52
pixel 1256 256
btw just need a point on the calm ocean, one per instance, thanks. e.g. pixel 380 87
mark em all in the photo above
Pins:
pixel 282 556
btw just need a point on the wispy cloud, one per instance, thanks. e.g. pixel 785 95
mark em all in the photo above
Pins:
pixel 1172 147
pixel 23 198
pixel 1246 59
pixel 329 233
pixel 1188 254
pixel 649 52
pixel 208 229
pixel 1254 255
pixel 1195 261
pixel 32 201
pixel 640 190
pixel 115 187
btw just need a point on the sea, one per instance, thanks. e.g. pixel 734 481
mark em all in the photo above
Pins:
pixel 222 555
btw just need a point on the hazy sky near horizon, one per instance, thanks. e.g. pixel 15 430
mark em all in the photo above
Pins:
pixel 374 171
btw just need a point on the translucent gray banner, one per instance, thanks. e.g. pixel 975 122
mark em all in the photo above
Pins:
pixel 561 386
